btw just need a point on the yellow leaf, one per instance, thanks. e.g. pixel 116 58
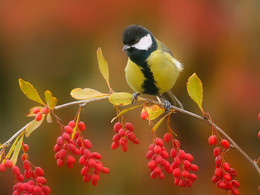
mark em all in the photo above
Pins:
pixel 103 66
pixel 153 111
pixel 50 100
pixel 13 146
pixel 195 90
pixel 48 118
pixel 124 111
pixel 85 94
pixel 159 122
pixel 30 92
pixel 17 150
pixel 121 98
pixel 76 126
pixel 30 114
pixel 33 125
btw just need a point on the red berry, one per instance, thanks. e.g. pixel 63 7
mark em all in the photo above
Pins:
pixel 258 134
pixel 46 189
pixel 117 126
pixel 124 147
pixel 218 160
pixel 68 129
pixel 176 172
pixel 225 143
pixel 226 166
pixel 36 110
pixel 259 116
pixel 189 157
pixel 186 164
pixel 91 162
pixel 105 170
pixel 213 140
pixel 129 126
pixel 235 183
pixel 185 174
pixel 259 189
pixel 45 110
pixel 25 147
pixel 71 159
pixel 39 171
pixel 176 143
pixel 26 164
pixel 157 149
pixel 87 144
pixel 149 154
pixel 116 137
pixel 159 142
pixel 167 137
pixel 144 115
pixel 24 156
pixel 121 132
pixel 82 160
pixel 97 155
pixel 38 116
pixel 164 154
pixel 131 136
pixel 20 187
pixel 227 177
pixel 152 164
pixel 173 152
pixel 60 162
pixel 194 167
pixel 8 163
pixel 235 191
pixel 81 126
pixel 218 172
pixel 114 145
pixel 37 189
pixel 60 141
pixel 65 136
pixel 84 171
pixel 41 180
pixel 87 178
pixel 2 167
pixel 95 178
pixel 72 124
pixel 16 170
pixel 216 151
pixel 20 178
pixel 181 154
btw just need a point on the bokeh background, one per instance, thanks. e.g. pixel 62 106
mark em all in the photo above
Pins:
pixel 52 44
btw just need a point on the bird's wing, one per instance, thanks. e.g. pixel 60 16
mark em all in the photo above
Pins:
pixel 163 47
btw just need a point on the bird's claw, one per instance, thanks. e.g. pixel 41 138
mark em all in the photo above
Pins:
pixel 135 96
pixel 167 105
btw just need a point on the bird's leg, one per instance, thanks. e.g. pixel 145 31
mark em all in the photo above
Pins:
pixel 167 104
pixel 135 96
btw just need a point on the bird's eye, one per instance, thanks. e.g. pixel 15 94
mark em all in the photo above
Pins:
pixel 137 40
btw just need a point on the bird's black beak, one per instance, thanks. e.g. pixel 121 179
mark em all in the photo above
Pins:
pixel 125 47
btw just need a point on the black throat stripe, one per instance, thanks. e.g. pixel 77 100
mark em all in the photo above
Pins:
pixel 149 86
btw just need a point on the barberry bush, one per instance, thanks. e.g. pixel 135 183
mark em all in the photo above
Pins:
pixel 74 148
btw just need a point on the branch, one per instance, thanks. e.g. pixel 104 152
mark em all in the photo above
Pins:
pixel 202 118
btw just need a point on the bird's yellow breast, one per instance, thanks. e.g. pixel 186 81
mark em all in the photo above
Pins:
pixel 164 69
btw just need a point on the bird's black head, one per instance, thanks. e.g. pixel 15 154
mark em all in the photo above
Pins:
pixel 138 43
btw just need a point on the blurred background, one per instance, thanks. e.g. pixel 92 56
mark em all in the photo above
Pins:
pixel 52 44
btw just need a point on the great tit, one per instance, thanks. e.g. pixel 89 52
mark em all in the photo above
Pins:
pixel 151 67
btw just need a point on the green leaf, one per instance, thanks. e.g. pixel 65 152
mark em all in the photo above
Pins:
pixel 195 90
pixel 121 98
pixel 125 111
pixel 17 150
pixel 50 100
pixel 30 92
pixel 153 111
pixel 33 125
pixel 85 94
pixel 103 67
pixel 160 122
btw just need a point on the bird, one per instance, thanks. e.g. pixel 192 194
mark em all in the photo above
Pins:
pixel 151 68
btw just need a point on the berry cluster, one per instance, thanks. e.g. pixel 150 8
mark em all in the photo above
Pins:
pixel 36 182
pixel 124 132
pixel 39 112
pixel 180 167
pixel 224 175
pixel 69 144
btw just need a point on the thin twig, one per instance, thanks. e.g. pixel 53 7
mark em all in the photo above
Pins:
pixel 202 118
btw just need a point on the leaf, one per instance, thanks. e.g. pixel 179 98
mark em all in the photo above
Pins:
pixel 48 118
pixel 30 114
pixel 103 67
pixel 12 147
pixel 121 98
pixel 29 90
pixel 50 100
pixel 195 90
pixel 76 126
pixel 32 126
pixel 153 111
pixel 125 111
pixel 17 150
pixel 85 94
pixel 159 122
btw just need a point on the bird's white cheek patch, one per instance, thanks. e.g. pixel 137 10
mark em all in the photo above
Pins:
pixel 144 43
